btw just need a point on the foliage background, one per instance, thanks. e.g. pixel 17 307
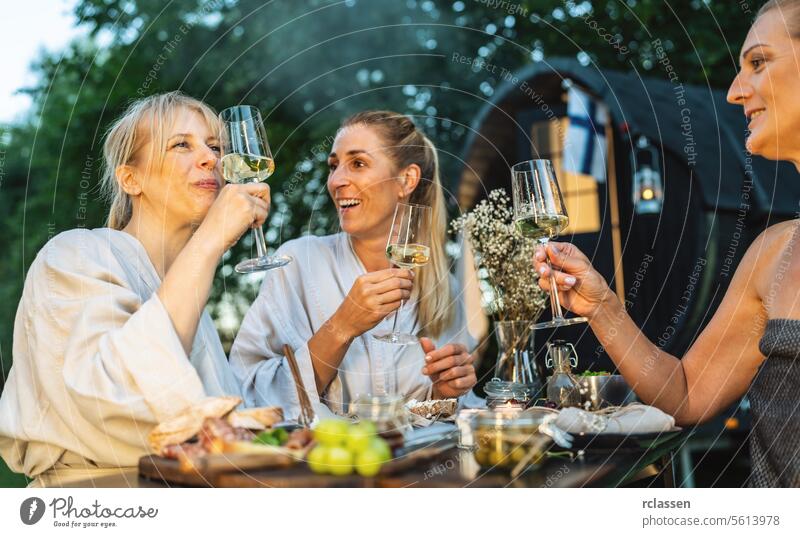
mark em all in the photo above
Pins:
pixel 306 64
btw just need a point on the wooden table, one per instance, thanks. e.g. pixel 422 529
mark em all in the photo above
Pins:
pixel 456 468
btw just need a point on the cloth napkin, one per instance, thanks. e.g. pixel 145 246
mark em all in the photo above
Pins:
pixel 632 419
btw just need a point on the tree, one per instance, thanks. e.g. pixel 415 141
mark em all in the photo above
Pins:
pixel 307 65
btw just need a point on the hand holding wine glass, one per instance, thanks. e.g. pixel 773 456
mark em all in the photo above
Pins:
pixel 247 158
pixel 374 296
pixel 582 289
pixel 407 247
pixel 539 214
pixel 236 209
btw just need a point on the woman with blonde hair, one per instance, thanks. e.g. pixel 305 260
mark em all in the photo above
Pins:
pixel 751 345
pixel 342 288
pixel 110 335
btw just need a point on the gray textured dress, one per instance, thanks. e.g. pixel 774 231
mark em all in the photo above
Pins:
pixel 775 399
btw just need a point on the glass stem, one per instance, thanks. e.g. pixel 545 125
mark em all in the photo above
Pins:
pixel 555 304
pixel 396 315
pixel 261 243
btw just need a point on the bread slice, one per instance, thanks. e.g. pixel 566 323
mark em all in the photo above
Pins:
pixel 256 419
pixel 434 408
pixel 188 422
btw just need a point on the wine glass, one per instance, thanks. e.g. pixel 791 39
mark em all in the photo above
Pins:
pixel 539 214
pixel 407 247
pixel 248 159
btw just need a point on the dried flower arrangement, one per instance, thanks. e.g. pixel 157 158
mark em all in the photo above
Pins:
pixel 504 259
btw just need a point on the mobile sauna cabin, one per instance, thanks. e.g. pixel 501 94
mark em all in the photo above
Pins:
pixel 680 201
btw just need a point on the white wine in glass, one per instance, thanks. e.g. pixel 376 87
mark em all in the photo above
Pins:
pixel 247 158
pixel 407 247
pixel 543 227
pixel 408 255
pixel 539 214
pixel 239 168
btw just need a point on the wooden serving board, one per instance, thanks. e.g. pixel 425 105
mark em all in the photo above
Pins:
pixel 271 469
pixel 210 468
pixel 301 475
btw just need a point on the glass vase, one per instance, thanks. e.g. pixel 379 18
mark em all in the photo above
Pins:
pixel 514 382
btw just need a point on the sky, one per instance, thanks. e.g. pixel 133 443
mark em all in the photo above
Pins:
pixel 26 29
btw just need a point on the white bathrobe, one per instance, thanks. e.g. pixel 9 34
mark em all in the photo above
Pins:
pixel 96 360
pixel 292 306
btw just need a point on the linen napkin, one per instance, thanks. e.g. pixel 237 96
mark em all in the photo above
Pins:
pixel 632 419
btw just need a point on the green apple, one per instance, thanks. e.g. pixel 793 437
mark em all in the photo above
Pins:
pixel 368 462
pixel 369 426
pixel 318 460
pixel 381 447
pixel 331 432
pixel 340 461
pixel 359 437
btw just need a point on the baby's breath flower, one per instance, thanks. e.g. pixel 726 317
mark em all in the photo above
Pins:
pixel 504 259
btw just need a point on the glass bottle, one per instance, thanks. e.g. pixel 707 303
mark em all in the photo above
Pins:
pixel 562 387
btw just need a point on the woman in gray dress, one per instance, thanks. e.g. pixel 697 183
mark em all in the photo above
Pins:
pixel 751 345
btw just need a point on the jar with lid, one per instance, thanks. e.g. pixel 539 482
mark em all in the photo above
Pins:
pixel 504 438
pixel 506 395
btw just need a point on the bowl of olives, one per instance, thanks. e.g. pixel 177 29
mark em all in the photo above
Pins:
pixel 503 439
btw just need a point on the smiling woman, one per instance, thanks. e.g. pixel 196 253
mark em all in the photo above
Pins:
pixel 751 345
pixel 111 336
pixel 769 57
pixel 342 288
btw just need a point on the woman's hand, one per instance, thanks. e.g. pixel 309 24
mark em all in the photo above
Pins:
pixel 450 368
pixel 238 207
pixel 582 289
pixel 373 296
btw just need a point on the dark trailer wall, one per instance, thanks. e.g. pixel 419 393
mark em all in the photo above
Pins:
pixel 676 264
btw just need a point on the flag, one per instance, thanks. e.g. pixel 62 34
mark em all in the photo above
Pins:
pixel 585 144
